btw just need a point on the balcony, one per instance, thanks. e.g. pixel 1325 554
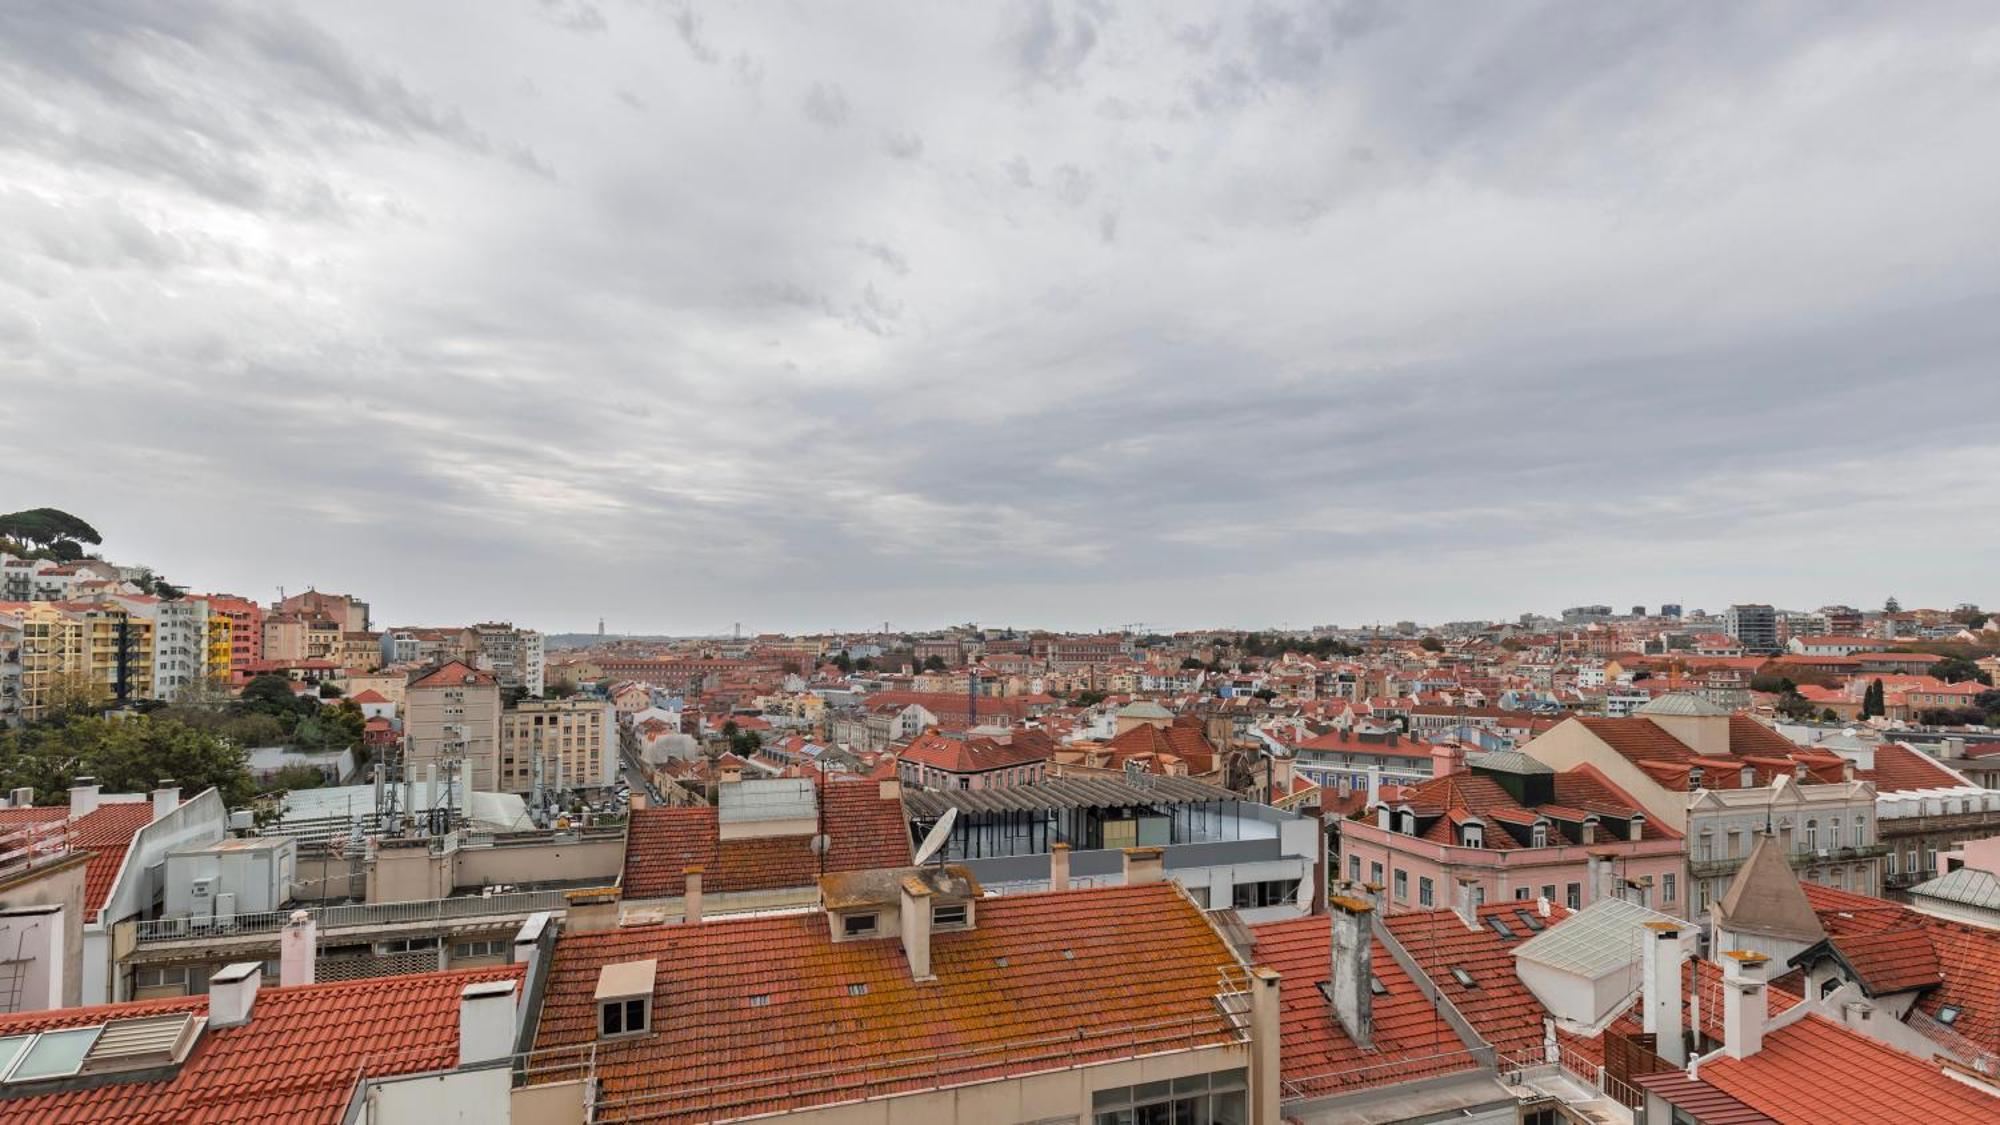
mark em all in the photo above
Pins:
pixel 355 916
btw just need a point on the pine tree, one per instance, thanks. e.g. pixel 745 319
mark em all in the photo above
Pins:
pixel 1872 703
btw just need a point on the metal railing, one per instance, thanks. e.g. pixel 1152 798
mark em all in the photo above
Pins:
pixel 1524 1068
pixel 1355 1078
pixel 354 916
pixel 31 844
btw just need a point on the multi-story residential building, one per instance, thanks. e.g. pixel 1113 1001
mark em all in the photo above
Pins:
pixel 551 744
pixel 284 637
pixel 514 656
pixel 83 651
pixel 1361 759
pixel 1826 830
pixel 1513 828
pixel 180 639
pixel 452 718
pixel 1755 626
pixel 246 631
pixel 345 612
pixel 11 617
pixel 359 652
pixel 936 760
pixel 1266 864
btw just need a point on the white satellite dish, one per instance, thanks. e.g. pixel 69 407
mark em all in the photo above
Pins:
pixel 934 842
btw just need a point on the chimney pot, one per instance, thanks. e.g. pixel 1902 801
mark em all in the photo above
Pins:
pixel 1059 867
pixel 298 950
pixel 1743 1011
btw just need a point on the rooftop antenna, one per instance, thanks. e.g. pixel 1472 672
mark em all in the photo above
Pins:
pixel 936 839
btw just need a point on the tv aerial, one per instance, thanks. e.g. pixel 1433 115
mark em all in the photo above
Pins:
pixel 935 840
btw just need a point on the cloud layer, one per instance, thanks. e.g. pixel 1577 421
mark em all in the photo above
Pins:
pixel 686 314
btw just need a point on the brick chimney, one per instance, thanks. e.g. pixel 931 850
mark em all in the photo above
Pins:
pixel 1661 957
pixel 1144 865
pixel 1352 956
pixel 298 950
pixel 691 895
pixel 1743 1010
pixel 916 925
pixel 1059 867
pixel 232 992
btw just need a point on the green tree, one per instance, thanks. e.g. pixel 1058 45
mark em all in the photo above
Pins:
pixel 47 527
pixel 125 755
pixel 746 743
pixel 1872 701
pixel 1829 716
pixel 1957 670
pixel 1431 644
pixel 933 663
pixel 843 662
pixel 295 776
pixel 1892 605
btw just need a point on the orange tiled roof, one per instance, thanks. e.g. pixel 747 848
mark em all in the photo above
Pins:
pixel 1499 1007
pixel 1315 1051
pixel 974 755
pixel 1898 767
pixel 866 831
pixel 1890 960
pixel 106 832
pixel 295 1061
pixel 762 1015
pixel 1967 955
pixel 453 673
pixel 1816 1070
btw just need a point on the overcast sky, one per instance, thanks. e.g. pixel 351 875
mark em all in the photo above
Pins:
pixel 812 315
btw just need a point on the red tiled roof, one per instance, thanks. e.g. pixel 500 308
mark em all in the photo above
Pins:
pixel 1889 961
pixel 453 673
pixel 1967 955
pixel 369 696
pixel 1057 967
pixel 295 1061
pixel 661 843
pixel 1816 1070
pixel 974 755
pixel 106 832
pixel 1898 767
pixel 1499 1007
pixel 1187 743
pixel 1315 1052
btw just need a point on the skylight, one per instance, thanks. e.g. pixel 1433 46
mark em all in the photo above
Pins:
pixel 54 1054
pixel 1463 977
pixel 858 988
pixel 1500 927
pixel 1949 1014
pixel 1529 920
pixel 1376 986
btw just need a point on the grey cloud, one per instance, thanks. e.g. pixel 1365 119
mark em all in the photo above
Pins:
pixel 574 15
pixel 826 105
pixel 885 254
pixel 903 145
pixel 688 25
pixel 1051 46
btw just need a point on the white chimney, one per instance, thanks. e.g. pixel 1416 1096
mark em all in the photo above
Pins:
pixel 166 798
pixel 1144 865
pixel 83 797
pixel 298 947
pixel 1602 871
pixel 691 895
pixel 232 992
pixel 1467 902
pixel 889 789
pixel 1662 964
pixel 916 923
pixel 1059 867
pixel 1743 1010
pixel 1353 967
pixel 485 1022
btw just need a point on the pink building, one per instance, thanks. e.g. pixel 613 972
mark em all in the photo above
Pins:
pixel 1515 829
pixel 935 760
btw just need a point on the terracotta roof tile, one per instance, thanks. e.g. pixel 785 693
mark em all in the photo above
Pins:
pixel 1889 961
pixel 1816 1070
pixel 1967 955
pixel 295 1061
pixel 759 1015
pixel 106 832
pixel 866 831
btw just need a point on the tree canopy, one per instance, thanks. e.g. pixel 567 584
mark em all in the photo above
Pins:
pixel 130 754
pixel 47 527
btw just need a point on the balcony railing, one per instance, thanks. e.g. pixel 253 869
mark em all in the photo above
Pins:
pixel 354 916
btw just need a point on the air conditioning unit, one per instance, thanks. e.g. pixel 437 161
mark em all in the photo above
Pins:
pixel 173 927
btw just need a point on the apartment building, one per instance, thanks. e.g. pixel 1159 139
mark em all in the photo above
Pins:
pixel 1827 831
pixel 82 651
pixel 1754 626
pixel 346 613
pixel 548 744
pixel 11 617
pixel 514 656
pixel 180 639
pixel 246 631
pixel 937 760
pixel 451 715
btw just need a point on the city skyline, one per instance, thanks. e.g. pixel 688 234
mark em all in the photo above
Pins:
pixel 1068 316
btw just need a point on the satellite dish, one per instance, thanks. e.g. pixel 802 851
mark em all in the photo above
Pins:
pixel 934 842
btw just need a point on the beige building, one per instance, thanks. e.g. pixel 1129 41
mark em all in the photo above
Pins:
pixel 452 715
pixel 574 740
pixel 82 651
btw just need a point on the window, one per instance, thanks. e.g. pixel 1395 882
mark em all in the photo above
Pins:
pixel 1541 835
pixel 1463 978
pixel 949 916
pixel 1860 831
pixel 1354 869
pixel 1573 896
pixel 1812 834
pixel 1375 873
pixel 1271 892
pixel 1707 844
pixel 1930 858
pixel 1424 891
pixel 1667 888
pixel 1833 832
pixel 1409 824
pixel 1475 836
pixel 490 948
pixel 1521 894
pixel 1948 1014
pixel 1549 891
pixel 857 925
pixel 1402 885
pixel 1221 1097
pixel 621 1017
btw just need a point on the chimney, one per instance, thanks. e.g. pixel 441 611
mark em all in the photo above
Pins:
pixel 916 919
pixel 1602 870
pixel 1059 867
pixel 889 789
pixel 1588 835
pixel 1374 785
pixel 1467 902
pixel 592 909
pixel 166 798
pixel 83 797
pixel 1743 1010
pixel 1846 770
pixel 732 774
pixel 637 800
pixel 1352 950
pixel 1144 865
pixel 232 991
pixel 298 946
pixel 1265 1091
pixel 485 1022
pixel 1856 1014
pixel 1445 760
pixel 691 895
pixel 1637 827
pixel 1662 962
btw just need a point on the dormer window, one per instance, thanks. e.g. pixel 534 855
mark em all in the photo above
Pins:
pixel 625 998
pixel 1409 823
pixel 1748 778
pixel 1541 835
pixel 857 925
pixel 1475 836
